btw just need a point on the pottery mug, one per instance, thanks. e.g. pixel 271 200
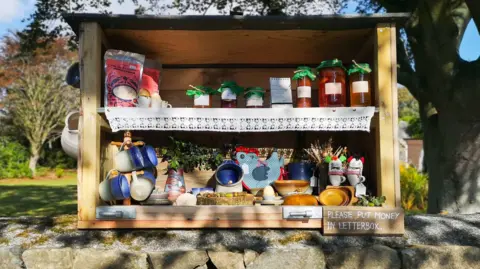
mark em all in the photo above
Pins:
pixel 355 179
pixel 160 104
pixel 104 189
pixel 119 187
pixel 142 185
pixel 144 101
pixel 129 160
pixel 336 180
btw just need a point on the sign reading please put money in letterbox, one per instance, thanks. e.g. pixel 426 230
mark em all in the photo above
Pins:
pixel 342 220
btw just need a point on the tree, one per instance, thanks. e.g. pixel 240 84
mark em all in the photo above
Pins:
pixel 446 87
pixel 37 97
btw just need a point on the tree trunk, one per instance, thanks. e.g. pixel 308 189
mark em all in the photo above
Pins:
pixel 35 155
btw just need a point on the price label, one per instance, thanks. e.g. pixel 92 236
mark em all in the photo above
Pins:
pixel 202 100
pixel 227 94
pixel 333 88
pixel 360 86
pixel 304 92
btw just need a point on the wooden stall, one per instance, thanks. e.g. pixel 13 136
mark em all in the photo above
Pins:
pixel 206 50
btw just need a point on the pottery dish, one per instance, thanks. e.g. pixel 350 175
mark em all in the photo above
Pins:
pixel 288 187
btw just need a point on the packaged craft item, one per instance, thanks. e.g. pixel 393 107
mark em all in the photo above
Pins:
pixel 123 77
pixel 149 89
pixel 304 77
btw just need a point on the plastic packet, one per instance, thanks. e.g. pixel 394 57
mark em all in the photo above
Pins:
pixel 123 75
pixel 149 94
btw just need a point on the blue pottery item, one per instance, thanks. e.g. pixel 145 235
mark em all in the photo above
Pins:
pixel 149 156
pixel 300 171
pixel 229 176
pixel 119 187
pixel 136 157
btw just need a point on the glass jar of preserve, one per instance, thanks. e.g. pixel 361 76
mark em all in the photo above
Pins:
pixel 202 96
pixel 254 97
pixel 229 91
pixel 360 89
pixel 332 91
pixel 304 77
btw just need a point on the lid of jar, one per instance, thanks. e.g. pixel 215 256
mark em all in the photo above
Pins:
pixel 362 68
pixel 303 71
pixel 331 63
pixel 197 91
pixel 254 91
pixel 232 85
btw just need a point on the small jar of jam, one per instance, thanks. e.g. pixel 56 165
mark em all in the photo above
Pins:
pixel 229 91
pixel 254 97
pixel 332 90
pixel 304 77
pixel 360 88
pixel 202 96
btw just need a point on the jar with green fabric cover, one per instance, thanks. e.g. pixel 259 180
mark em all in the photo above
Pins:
pixel 304 77
pixel 360 87
pixel 202 96
pixel 229 91
pixel 254 97
pixel 332 84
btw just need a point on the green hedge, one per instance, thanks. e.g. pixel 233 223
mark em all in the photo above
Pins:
pixel 14 159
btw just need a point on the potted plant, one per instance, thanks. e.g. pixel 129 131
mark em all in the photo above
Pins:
pixel 184 157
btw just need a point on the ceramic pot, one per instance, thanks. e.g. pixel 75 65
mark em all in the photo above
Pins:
pixel 149 156
pixel 229 176
pixel 73 75
pixel 104 189
pixel 119 187
pixel 300 170
pixel 142 185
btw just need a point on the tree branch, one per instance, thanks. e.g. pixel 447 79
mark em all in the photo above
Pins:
pixel 474 7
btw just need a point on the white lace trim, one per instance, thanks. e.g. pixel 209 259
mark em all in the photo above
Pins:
pixel 240 119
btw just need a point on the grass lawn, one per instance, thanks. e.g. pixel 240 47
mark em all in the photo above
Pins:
pixel 43 196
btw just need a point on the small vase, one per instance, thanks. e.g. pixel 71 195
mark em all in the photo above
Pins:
pixel 175 184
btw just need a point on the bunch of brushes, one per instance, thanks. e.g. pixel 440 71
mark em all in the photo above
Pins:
pixel 323 153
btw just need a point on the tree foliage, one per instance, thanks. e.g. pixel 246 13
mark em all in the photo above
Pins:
pixel 37 97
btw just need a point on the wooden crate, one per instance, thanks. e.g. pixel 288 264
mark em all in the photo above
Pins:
pixel 207 50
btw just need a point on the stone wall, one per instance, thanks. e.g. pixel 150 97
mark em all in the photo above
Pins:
pixel 374 257
pixel 429 242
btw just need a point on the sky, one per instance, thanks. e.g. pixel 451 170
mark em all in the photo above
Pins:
pixel 13 11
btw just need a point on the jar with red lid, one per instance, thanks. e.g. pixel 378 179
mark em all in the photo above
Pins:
pixel 304 77
pixel 202 96
pixel 229 91
pixel 254 97
pixel 360 87
pixel 332 90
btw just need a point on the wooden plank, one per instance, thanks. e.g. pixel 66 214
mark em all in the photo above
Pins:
pixel 386 123
pixel 396 144
pixel 355 220
pixel 241 46
pixel 91 82
pixel 175 224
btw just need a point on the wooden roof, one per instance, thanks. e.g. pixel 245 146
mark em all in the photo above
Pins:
pixel 210 23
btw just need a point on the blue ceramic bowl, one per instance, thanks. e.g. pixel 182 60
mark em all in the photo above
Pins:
pixel 300 171
pixel 149 156
pixel 137 158
pixel 229 173
pixel 119 187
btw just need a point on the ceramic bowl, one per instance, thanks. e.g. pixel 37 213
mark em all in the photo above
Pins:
pixel 334 197
pixel 288 187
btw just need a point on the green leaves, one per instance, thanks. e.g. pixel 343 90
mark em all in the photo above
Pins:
pixel 372 201
pixel 187 155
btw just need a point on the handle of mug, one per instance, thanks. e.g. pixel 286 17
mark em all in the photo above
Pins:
pixel 110 172
pixel 134 176
pixel 362 179
pixel 343 179
pixel 169 106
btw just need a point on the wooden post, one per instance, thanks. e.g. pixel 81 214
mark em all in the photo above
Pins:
pixel 91 83
pixel 388 178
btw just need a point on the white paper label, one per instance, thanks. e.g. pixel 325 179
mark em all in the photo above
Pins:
pixel 360 190
pixel 281 90
pixel 227 94
pixel 304 92
pixel 360 86
pixel 255 100
pixel 313 181
pixel 202 100
pixel 333 88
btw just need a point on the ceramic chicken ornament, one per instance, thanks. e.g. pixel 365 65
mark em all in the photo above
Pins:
pixel 354 170
pixel 335 171
pixel 257 173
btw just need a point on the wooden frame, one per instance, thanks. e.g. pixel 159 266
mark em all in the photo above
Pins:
pixel 96 155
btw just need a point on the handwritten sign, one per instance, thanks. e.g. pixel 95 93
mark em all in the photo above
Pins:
pixel 341 220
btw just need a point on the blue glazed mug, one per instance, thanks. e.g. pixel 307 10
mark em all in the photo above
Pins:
pixel 300 170
pixel 149 156
pixel 229 173
pixel 119 187
pixel 128 160
pixel 136 157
